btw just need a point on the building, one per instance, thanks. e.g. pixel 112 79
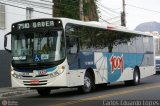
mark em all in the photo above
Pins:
pixel 17 10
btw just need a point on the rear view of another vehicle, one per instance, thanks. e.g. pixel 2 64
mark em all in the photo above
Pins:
pixel 157 64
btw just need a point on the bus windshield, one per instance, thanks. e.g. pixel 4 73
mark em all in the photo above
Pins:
pixel 32 47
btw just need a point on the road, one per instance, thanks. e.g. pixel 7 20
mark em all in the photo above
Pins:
pixel 114 94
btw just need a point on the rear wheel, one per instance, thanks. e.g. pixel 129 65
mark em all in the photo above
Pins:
pixel 136 78
pixel 88 84
pixel 157 72
pixel 44 91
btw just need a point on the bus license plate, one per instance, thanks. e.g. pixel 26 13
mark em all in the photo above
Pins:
pixel 34 82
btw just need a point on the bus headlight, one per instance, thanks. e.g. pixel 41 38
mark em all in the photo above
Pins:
pixel 12 72
pixel 57 72
pixel 15 75
pixel 61 69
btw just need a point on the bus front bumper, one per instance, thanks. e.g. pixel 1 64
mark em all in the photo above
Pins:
pixel 58 81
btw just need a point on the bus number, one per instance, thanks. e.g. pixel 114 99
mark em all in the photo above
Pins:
pixel 117 62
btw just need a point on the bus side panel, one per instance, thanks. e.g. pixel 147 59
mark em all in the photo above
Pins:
pixel 147 68
pixel 78 66
pixel 121 65
pixel 101 73
pixel 147 71
pixel 75 77
pixel 85 60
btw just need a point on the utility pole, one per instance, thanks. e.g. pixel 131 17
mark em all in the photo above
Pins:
pixel 81 10
pixel 123 15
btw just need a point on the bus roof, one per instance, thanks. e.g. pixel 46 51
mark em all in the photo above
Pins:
pixel 101 25
pixel 94 24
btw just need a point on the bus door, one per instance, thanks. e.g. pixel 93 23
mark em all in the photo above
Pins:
pixel 73 60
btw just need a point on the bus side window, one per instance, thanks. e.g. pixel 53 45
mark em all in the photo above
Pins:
pixel 72 48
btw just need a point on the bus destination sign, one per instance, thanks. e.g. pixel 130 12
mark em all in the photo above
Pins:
pixel 36 24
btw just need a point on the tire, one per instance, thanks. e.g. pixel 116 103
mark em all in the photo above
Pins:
pixel 88 84
pixel 136 77
pixel 157 72
pixel 44 91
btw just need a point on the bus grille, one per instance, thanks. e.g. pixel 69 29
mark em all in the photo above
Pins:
pixel 36 76
pixel 31 83
pixel 40 77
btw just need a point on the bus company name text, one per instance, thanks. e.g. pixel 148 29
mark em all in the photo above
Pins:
pixel 117 62
pixel 35 25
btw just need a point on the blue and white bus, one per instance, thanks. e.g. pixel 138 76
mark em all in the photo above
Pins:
pixel 61 52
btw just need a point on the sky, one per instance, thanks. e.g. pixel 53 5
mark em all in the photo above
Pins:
pixel 137 11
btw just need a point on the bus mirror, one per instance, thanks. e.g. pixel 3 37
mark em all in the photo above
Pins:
pixel 5 42
pixel 6 39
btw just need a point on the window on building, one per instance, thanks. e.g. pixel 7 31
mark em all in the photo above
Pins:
pixel 29 13
pixel 2 16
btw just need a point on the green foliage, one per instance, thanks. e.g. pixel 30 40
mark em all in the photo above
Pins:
pixel 67 8
pixel 86 8
pixel 70 8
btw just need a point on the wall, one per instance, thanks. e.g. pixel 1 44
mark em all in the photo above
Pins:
pixel 5 59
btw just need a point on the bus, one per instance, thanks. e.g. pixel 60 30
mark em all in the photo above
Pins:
pixel 61 52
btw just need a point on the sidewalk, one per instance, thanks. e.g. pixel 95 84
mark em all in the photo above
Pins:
pixel 9 91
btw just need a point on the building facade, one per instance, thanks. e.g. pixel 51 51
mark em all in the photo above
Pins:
pixel 12 11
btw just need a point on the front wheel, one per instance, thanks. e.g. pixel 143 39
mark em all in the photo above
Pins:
pixel 44 91
pixel 88 84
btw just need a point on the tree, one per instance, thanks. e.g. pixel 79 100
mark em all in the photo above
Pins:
pixel 90 10
pixel 71 9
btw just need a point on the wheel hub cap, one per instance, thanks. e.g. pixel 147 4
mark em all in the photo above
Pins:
pixel 87 82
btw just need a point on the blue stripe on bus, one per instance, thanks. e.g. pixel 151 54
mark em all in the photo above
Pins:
pixel 31 70
pixel 51 69
pixel 86 60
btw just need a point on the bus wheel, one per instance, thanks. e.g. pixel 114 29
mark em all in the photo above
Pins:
pixel 88 84
pixel 44 91
pixel 136 77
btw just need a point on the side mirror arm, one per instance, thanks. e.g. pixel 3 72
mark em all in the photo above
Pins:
pixel 5 42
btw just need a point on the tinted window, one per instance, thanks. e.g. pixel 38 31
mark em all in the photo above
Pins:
pixel 151 44
pixel 122 41
pixel 139 44
pixel 96 39
pixel 146 44
pixel 132 44
pixel 157 61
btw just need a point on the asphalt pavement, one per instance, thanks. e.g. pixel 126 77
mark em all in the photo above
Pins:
pixel 144 94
